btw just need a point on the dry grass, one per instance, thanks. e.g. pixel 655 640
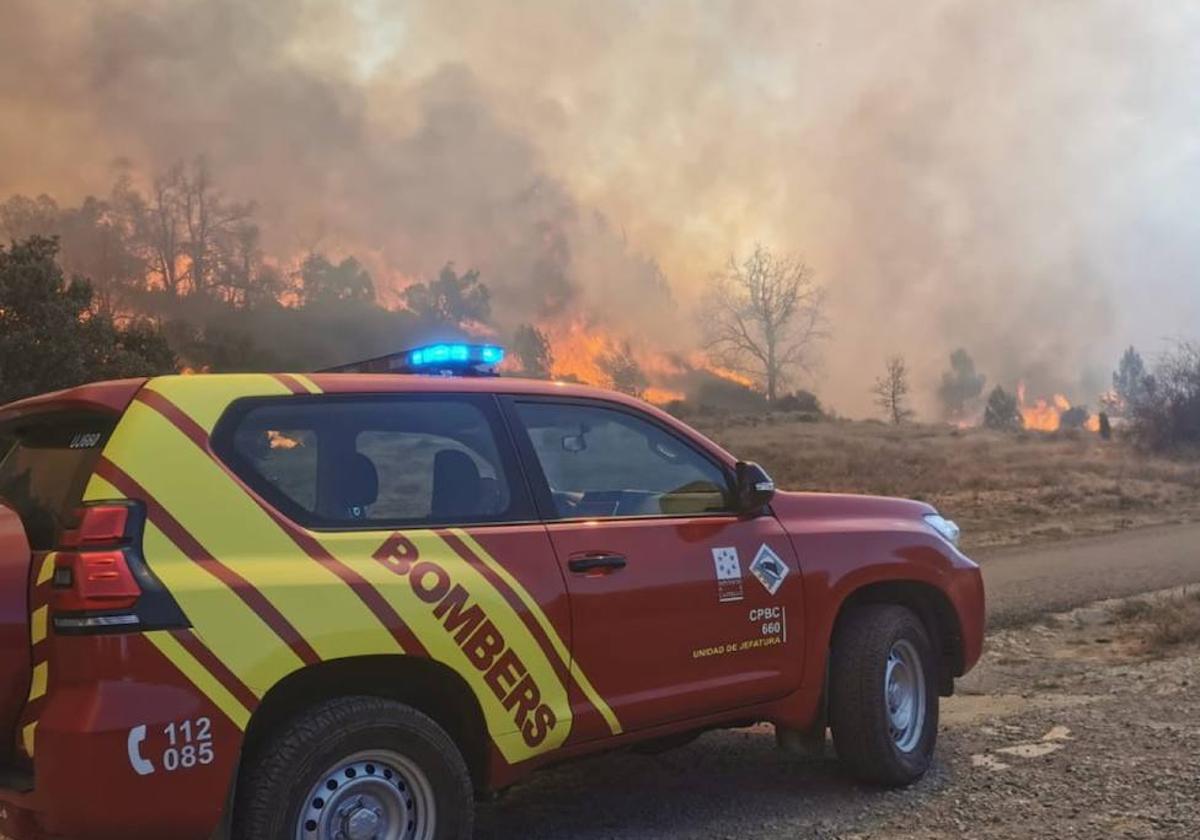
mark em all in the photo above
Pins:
pixel 1003 488
pixel 1162 621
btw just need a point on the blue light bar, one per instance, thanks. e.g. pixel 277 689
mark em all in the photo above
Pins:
pixel 454 358
pixel 459 359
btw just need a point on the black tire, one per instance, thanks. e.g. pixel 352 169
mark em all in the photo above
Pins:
pixel 274 785
pixel 858 713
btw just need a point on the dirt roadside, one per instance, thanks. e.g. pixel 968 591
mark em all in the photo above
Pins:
pixel 1067 728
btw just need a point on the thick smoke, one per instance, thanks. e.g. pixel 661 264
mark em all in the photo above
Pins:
pixel 1013 178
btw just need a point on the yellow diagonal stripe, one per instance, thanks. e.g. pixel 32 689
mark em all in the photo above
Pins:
pixel 205 398
pixel 37 624
pixel 535 609
pixel 231 629
pixel 233 528
pixel 356 550
pixel 27 738
pixel 41 676
pixel 199 676
pixel 47 570
pixel 311 386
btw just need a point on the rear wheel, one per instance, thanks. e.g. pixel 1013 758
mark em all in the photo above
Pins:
pixel 356 768
pixel 883 695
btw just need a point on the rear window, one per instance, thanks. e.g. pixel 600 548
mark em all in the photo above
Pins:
pixel 48 464
pixel 407 460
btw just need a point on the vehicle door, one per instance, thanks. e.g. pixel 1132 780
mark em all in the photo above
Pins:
pixel 680 606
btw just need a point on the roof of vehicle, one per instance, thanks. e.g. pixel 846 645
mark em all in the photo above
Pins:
pixel 115 395
pixel 112 396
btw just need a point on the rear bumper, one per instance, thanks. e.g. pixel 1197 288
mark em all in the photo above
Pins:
pixel 144 757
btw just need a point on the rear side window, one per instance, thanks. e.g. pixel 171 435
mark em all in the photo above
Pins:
pixel 46 469
pixel 405 460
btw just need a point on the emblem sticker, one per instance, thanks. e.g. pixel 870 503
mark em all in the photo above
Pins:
pixel 729 574
pixel 769 569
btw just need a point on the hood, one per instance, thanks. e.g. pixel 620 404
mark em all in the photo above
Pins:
pixel 848 505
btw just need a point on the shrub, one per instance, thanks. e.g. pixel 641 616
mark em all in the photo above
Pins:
pixel 1075 417
pixel 801 401
pixel 1001 411
pixel 1166 415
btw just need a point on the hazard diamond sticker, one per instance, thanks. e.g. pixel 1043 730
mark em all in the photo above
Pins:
pixel 769 569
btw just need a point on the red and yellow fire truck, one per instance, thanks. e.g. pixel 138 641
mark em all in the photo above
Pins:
pixel 340 605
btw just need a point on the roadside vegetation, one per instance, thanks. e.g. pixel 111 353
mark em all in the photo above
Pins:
pixel 1162 621
pixel 1003 488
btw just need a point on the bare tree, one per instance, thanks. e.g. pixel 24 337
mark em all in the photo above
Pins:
pixel 762 316
pixel 156 225
pixel 212 225
pixel 185 230
pixel 891 391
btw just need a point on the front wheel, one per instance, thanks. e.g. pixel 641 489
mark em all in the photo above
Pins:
pixel 356 768
pixel 883 695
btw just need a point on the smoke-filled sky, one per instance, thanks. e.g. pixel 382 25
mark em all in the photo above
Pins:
pixel 1020 178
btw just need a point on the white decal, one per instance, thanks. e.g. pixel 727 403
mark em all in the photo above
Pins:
pixel 189 744
pixel 133 744
pixel 729 574
pixel 769 569
pixel 772 621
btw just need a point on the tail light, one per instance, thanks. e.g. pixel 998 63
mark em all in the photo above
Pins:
pixel 92 572
pixel 98 525
pixel 93 580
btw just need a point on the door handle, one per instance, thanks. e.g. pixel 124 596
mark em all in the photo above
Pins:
pixel 600 561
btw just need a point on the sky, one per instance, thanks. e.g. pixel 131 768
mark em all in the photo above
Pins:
pixel 1017 178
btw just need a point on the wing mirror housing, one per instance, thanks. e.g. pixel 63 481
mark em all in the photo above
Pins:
pixel 755 489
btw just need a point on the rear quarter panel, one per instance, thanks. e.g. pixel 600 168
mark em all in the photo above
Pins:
pixel 267 597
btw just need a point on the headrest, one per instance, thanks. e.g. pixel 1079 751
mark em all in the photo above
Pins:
pixel 457 488
pixel 357 485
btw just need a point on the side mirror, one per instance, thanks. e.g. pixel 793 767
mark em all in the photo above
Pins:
pixel 755 489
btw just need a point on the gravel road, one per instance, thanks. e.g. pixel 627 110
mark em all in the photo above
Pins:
pixel 1024 583
pixel 1058 732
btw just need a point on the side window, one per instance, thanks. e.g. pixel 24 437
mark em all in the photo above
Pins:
pixel 284 458
pixel 601 462
pixel 431 476
pixel 387 461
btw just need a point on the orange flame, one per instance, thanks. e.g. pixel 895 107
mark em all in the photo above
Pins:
pixel 278 440
pixel 577 348
pixel 1046 415
pixel 580 346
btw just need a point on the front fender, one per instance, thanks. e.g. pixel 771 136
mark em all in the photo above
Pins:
pixel 840 558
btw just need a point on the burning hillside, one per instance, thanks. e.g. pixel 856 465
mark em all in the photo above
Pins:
pixel 606 159
pixel 585 350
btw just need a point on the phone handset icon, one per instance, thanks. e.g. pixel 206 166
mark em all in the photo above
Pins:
pixel 141 766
